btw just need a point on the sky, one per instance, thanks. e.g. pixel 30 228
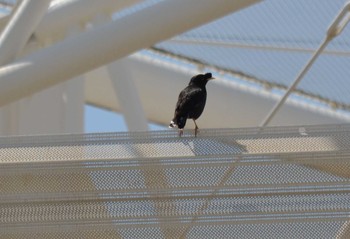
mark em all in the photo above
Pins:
pixel 101 120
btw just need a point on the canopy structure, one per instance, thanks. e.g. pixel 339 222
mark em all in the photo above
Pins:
pixel 255 56
pixel 235 180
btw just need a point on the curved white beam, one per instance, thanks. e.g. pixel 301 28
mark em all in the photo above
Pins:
pixel 20 27
pixel 64 14
pixel 67 13
pixel 95 48
pixel 229 105
pixel 23 21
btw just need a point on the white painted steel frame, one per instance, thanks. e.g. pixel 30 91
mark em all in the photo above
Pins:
pixel 64 14
pixel 22 22
pixel 80 54
pixel 21 26
pixel 229 104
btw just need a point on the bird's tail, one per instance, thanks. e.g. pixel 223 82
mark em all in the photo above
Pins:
pixel 172 124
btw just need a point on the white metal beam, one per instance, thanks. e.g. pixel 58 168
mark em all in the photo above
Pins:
pixel 127 94
pixel 64 14
pixel 20 27
pixel 229 104
pixel 122 80
pixel 95 48
pixel 23 21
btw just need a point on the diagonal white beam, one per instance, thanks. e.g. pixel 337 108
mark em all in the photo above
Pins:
pixel 20 27
pixel 23 21
pixel 123 83
pixel 120 74
pixel 95 48
pixel 63 14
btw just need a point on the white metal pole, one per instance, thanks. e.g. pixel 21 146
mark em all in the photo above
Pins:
pixel 127 94
pixel 95 48
pixel 121 77
pixel 291 88
pixel 23 21
pixel 334 30
pixel 20 27
pixel 63 14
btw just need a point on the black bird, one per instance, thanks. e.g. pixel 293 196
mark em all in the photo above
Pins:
pixel 191 102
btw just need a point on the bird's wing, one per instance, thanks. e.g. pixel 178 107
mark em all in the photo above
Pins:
pixel 188 99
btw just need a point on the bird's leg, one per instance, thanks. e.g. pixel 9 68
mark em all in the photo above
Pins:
pixel 181 131
pixel 196 129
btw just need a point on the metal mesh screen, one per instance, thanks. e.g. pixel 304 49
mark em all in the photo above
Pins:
pixel 268 43
pixel 280 182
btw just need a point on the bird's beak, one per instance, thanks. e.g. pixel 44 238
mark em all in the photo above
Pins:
pixel 212 78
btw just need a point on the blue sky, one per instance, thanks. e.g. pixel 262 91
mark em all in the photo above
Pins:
pixel 100 120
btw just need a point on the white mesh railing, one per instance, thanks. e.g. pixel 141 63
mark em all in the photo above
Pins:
pixel 282 182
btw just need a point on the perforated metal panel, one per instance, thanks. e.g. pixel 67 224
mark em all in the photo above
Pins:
pixel 290 182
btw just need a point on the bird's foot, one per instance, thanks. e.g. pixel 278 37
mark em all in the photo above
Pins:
pixel 196 131
pixel 181 132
